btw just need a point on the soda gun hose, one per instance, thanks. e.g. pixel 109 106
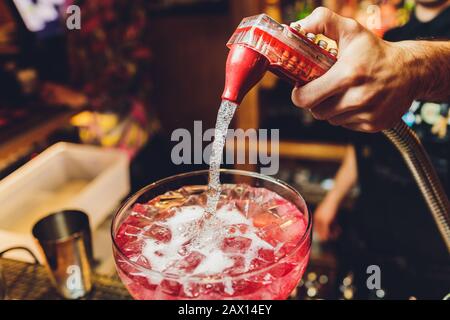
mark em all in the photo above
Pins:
pixel 261 44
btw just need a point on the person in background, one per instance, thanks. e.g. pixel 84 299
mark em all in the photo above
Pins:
pixel 390 226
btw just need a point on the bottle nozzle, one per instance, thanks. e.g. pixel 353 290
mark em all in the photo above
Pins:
pixel 244 68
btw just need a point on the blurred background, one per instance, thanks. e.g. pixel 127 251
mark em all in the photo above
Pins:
pixel 137 70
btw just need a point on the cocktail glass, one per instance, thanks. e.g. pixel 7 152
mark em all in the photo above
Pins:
pixel 274 280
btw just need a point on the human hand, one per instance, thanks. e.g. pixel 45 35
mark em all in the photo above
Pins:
pixel 324 217
pixel 371 85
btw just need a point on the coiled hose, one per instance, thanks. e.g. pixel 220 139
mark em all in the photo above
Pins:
pixel 418 162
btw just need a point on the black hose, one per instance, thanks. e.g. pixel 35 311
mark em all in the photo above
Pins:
pixel 36 261
pixel 418 162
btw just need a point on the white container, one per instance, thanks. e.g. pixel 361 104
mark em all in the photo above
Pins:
pixel 65 176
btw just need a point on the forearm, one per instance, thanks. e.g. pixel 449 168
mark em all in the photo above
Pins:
pixel 345 179
pixel 428 66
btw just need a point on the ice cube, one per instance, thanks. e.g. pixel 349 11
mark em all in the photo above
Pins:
pixel 194 200
pixel 191 289
pixel 184 250
pixel 264 219
pixel 193 190
pixel 273 208
pixel 143 261
pixel 132 231
pixel 238 265
pixel 142 280
pixel 169 200
pixel 266 255
pixel 245 286
pixel 127 233
pixel 237 244
pixel 164 215
pixel 243 206
pixel 292 229
pixel 171 287
pixel 249 193
pixel 141 208
pixel 158 232
pixel 257 264
pixel 279 270
pixel 138 221
pixel 285 208
pixel 237 229
pixel 133 248
pixel 190 262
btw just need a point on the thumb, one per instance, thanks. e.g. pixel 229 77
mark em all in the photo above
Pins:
pixel 324 21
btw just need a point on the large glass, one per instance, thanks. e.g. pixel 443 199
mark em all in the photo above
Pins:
pixel 263 245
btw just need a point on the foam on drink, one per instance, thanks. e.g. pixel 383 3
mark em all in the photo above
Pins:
pixel 209 258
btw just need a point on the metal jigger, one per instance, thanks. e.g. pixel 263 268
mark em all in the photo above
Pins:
pixel 65 241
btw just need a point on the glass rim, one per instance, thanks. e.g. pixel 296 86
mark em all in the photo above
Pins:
pixel 215 278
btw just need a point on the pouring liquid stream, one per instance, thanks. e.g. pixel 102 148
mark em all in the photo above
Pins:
pixel 208 222
pixel 224 117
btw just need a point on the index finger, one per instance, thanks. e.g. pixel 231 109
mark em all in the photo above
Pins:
pixel 313 93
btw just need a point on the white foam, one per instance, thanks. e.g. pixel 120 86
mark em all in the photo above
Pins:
pixel 214 263
pixel 228 286
pixel 183 216
pixel 184 227
pixel 163 255
pixel 231 216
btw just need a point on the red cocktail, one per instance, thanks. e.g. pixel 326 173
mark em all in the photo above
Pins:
pixel 255 246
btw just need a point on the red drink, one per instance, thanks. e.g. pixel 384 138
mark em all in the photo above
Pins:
pixel 256 246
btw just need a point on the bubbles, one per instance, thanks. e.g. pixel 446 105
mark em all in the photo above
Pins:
pixel 224 116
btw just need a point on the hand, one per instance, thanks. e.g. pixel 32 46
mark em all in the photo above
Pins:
pixel 324 217
pixel 371 85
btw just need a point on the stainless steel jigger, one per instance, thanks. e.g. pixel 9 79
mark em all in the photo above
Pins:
pixel 65 241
